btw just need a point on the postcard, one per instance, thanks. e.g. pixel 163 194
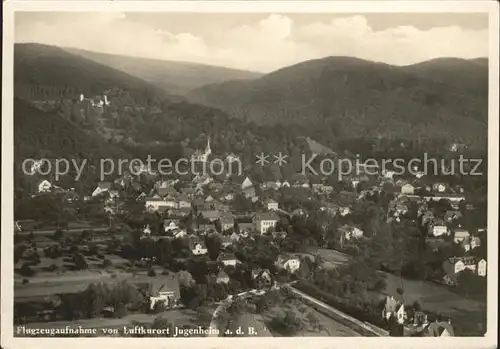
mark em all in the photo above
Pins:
pixel 277 173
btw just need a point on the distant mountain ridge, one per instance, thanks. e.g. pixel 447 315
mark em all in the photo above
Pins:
pixel 49 72
pixel 172 76
pixel 354 97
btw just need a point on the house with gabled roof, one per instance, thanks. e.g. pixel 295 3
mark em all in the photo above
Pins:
pixel 452 215
pixel 44 186
pixel 395 309
pixel 199 248
pixel 437 227
pixel 245 228
pixel 164 289
pixel 187 191
pixel 460 234
pixel 271 204
pixel 265 221
pixel 288 262
pixel 170 224
pixel 350 232
pixel 228 259
pixel 212 216
pixel 439 329
pixel 247 183
pixel 407 189
pixel 101 188
pixel 222 277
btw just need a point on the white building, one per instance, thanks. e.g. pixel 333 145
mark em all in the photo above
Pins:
pixel 247 183
pixel 455 265
pixel 155 204
pixel 289 263
pixel 199 249
pixel 408 189
pixel 460 235
pixel 44 186
pixel 272 205
pixel 438 229
pixel 229 259
pixel 350 232
pixel 439 187
pixel 263 222
pixel 102 187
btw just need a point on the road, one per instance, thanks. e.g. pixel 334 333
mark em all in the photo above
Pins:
pixel 70 231
pixel 368 327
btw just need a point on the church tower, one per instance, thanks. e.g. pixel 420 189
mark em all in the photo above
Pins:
pixel 208 151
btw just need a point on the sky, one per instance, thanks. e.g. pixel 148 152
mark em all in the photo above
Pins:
pixel 261 42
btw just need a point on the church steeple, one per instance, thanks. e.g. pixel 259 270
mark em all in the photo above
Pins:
pixel 208 151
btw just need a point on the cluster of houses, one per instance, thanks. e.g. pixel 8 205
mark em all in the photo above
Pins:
pixel 443 228
pixel 415 323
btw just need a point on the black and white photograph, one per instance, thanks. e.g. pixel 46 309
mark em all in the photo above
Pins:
pixel 260 171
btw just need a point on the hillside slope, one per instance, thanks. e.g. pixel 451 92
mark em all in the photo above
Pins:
pixel 39 134
pixel 49 72
pixel 350 97
pixel 174 77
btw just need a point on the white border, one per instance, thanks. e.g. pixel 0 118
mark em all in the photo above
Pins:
pixel 490 7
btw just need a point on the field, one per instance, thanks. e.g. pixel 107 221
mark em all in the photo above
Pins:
pixel 70 282
pixel 467 314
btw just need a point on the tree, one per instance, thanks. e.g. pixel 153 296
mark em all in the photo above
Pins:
pixel 237 306
pixel 214 246
pixel 290 322
pixel 120 311
pixel 380 285
pixel 160 323
pixel 472 284
pixel 185 279
pixel 417 306
pixel 94 300
pixel 58 235
pixel 80 262
pixel 26 270
pixel 193 296
pixel 106 263
pixel 313 321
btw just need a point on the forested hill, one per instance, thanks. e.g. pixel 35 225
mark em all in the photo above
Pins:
pixel 349 97
pixel 43 72
pixel 47 134
pixel 41 134
pixel 174 77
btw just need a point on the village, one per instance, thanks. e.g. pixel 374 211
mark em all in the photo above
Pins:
pixel 199 241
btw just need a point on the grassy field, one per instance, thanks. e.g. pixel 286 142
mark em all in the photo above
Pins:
pixel 71 282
